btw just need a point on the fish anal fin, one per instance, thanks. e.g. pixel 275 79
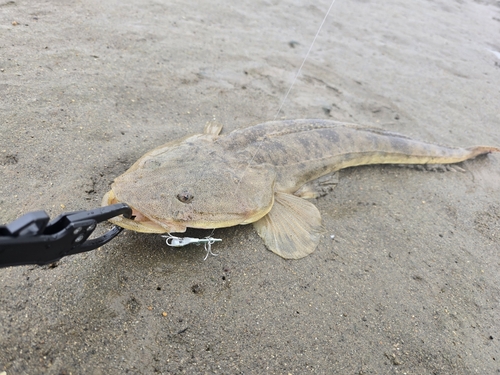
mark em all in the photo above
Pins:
pixel 319 187
pixel 292 229
pixel 212 128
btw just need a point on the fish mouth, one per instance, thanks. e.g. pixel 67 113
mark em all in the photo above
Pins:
pixel 140 222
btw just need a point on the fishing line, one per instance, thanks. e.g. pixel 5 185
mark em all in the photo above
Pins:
pixel 304 61
pixel 287 93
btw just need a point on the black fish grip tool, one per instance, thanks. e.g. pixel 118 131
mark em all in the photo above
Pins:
pixel 34 239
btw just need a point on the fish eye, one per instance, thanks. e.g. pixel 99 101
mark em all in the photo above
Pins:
pixel 185 197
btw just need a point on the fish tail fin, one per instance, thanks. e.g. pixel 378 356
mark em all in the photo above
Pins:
pixel 481 150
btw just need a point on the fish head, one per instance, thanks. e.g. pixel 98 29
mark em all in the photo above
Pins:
pixel 171 197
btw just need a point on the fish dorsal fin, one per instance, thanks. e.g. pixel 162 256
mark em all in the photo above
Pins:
pixel 292 228
pixel 212 128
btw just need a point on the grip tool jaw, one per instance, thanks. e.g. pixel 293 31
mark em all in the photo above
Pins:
pixel 34 239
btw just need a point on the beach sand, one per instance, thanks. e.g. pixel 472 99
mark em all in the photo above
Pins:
pixel 408 285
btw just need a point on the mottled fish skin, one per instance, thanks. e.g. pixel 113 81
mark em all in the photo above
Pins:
pixel 304 150
pixel 255 175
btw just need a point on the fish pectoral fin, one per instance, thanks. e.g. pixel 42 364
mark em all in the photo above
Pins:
pixel 319 187
pixel 212 128
pixel 292 229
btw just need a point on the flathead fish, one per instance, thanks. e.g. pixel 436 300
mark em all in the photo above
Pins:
pixel 263 175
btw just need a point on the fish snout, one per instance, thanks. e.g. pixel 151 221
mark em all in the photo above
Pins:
pixel 140 222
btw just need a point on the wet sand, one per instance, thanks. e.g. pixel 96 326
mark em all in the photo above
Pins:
pixel 409 284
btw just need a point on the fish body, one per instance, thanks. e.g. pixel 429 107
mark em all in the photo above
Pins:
pixel 261 175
